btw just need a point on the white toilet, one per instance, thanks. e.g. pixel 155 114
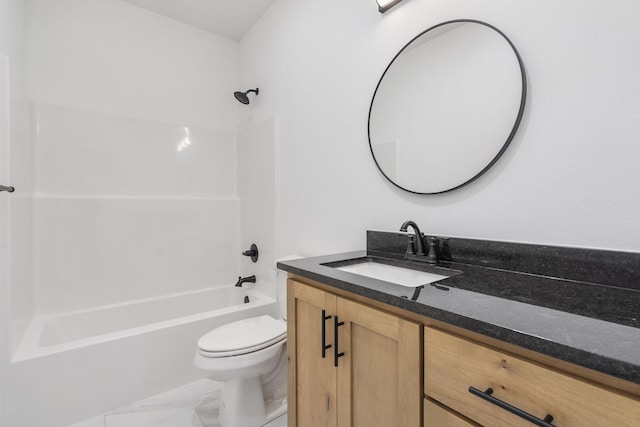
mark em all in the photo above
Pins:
pixel 248 356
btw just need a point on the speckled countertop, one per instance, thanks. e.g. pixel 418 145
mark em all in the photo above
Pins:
pixel 590 324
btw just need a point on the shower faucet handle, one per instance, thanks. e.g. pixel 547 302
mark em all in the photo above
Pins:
pixel 252 252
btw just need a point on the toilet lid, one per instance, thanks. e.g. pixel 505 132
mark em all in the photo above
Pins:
pixel 274 342
pixel 243 336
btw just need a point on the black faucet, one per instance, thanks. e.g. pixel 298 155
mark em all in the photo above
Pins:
pixel 241 280
pixel 418 249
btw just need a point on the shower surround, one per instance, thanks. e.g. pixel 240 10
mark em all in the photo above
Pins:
pixel 125 212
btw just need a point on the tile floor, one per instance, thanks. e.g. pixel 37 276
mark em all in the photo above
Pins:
pixel 192 405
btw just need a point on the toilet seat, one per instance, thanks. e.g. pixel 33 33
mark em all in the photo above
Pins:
pixel 240 352
pixel 242 337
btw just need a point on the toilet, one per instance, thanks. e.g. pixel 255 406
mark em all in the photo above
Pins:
pixel 249 358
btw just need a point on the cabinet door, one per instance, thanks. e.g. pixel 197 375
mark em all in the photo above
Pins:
pixel 312 379
pixel 379 374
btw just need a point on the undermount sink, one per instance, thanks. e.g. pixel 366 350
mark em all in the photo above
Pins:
pixel 389 273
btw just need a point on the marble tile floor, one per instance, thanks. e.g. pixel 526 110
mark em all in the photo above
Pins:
pixel 192 405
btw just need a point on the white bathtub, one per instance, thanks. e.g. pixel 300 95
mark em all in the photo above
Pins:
pixel 80 364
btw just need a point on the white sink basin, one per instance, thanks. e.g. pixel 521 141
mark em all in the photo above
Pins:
pixel 390 273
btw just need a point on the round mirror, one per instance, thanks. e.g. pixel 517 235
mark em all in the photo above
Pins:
pixel 447 107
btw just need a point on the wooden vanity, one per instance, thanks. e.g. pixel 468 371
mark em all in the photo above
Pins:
pixel 355 361
pixel 345 358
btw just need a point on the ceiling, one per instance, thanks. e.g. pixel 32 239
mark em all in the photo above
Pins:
pixel 227 18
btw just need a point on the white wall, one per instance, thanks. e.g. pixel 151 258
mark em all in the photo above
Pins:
pixel 5 304
pixel 570 176
pixel 17 165
pixel 134 212
pixel 257 192
pixel 13 146
pixel 135 162
pixel 109 56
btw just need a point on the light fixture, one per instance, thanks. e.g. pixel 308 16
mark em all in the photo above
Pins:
pixel 384 5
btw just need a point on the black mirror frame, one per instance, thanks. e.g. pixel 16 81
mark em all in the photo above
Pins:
pixel 513 129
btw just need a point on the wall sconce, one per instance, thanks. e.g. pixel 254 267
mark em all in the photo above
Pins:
pixel 384 5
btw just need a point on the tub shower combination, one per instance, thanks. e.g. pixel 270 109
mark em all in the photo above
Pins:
pixel 148 230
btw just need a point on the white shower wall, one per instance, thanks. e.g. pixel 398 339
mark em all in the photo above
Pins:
pixel 135 154
pixel 257 188
pixel 4 232
pixel 129 208
pixel 83 153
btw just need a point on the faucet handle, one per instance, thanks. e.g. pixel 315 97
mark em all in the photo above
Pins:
pixel 411 248
pixel 252 252
pixel 433 250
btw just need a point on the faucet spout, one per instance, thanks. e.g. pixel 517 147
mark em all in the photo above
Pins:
pixel 249 279
pixel 418 239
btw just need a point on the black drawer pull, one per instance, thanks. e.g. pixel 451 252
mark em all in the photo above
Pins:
pixel 8 189
pixel 336 354
pixel 324 333
pixel 486 395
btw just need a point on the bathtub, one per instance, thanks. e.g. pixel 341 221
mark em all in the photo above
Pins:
pixel 80 364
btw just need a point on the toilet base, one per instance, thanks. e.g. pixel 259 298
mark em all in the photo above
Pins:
pixel 275 409
pixel 242 403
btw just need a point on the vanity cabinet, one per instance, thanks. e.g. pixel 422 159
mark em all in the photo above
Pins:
pixel 350 364
pixel 383 366
pixel 474 380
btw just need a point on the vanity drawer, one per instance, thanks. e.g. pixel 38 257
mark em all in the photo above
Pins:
pixel 437 416
pixel 453 365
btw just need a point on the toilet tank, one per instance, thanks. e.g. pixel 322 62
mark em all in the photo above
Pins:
pixel 281 283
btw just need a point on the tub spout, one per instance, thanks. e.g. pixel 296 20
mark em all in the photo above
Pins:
pixel 241 280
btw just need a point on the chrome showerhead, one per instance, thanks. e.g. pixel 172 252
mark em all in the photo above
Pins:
pixel 242 96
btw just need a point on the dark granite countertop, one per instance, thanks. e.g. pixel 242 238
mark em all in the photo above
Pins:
pixel 589 324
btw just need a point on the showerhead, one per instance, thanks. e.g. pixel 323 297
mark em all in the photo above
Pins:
pixel 242 96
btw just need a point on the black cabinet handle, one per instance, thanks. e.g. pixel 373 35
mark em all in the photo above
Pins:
pixel 7 189
pixel 324 333
pixel 486 395
pixel 336 353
